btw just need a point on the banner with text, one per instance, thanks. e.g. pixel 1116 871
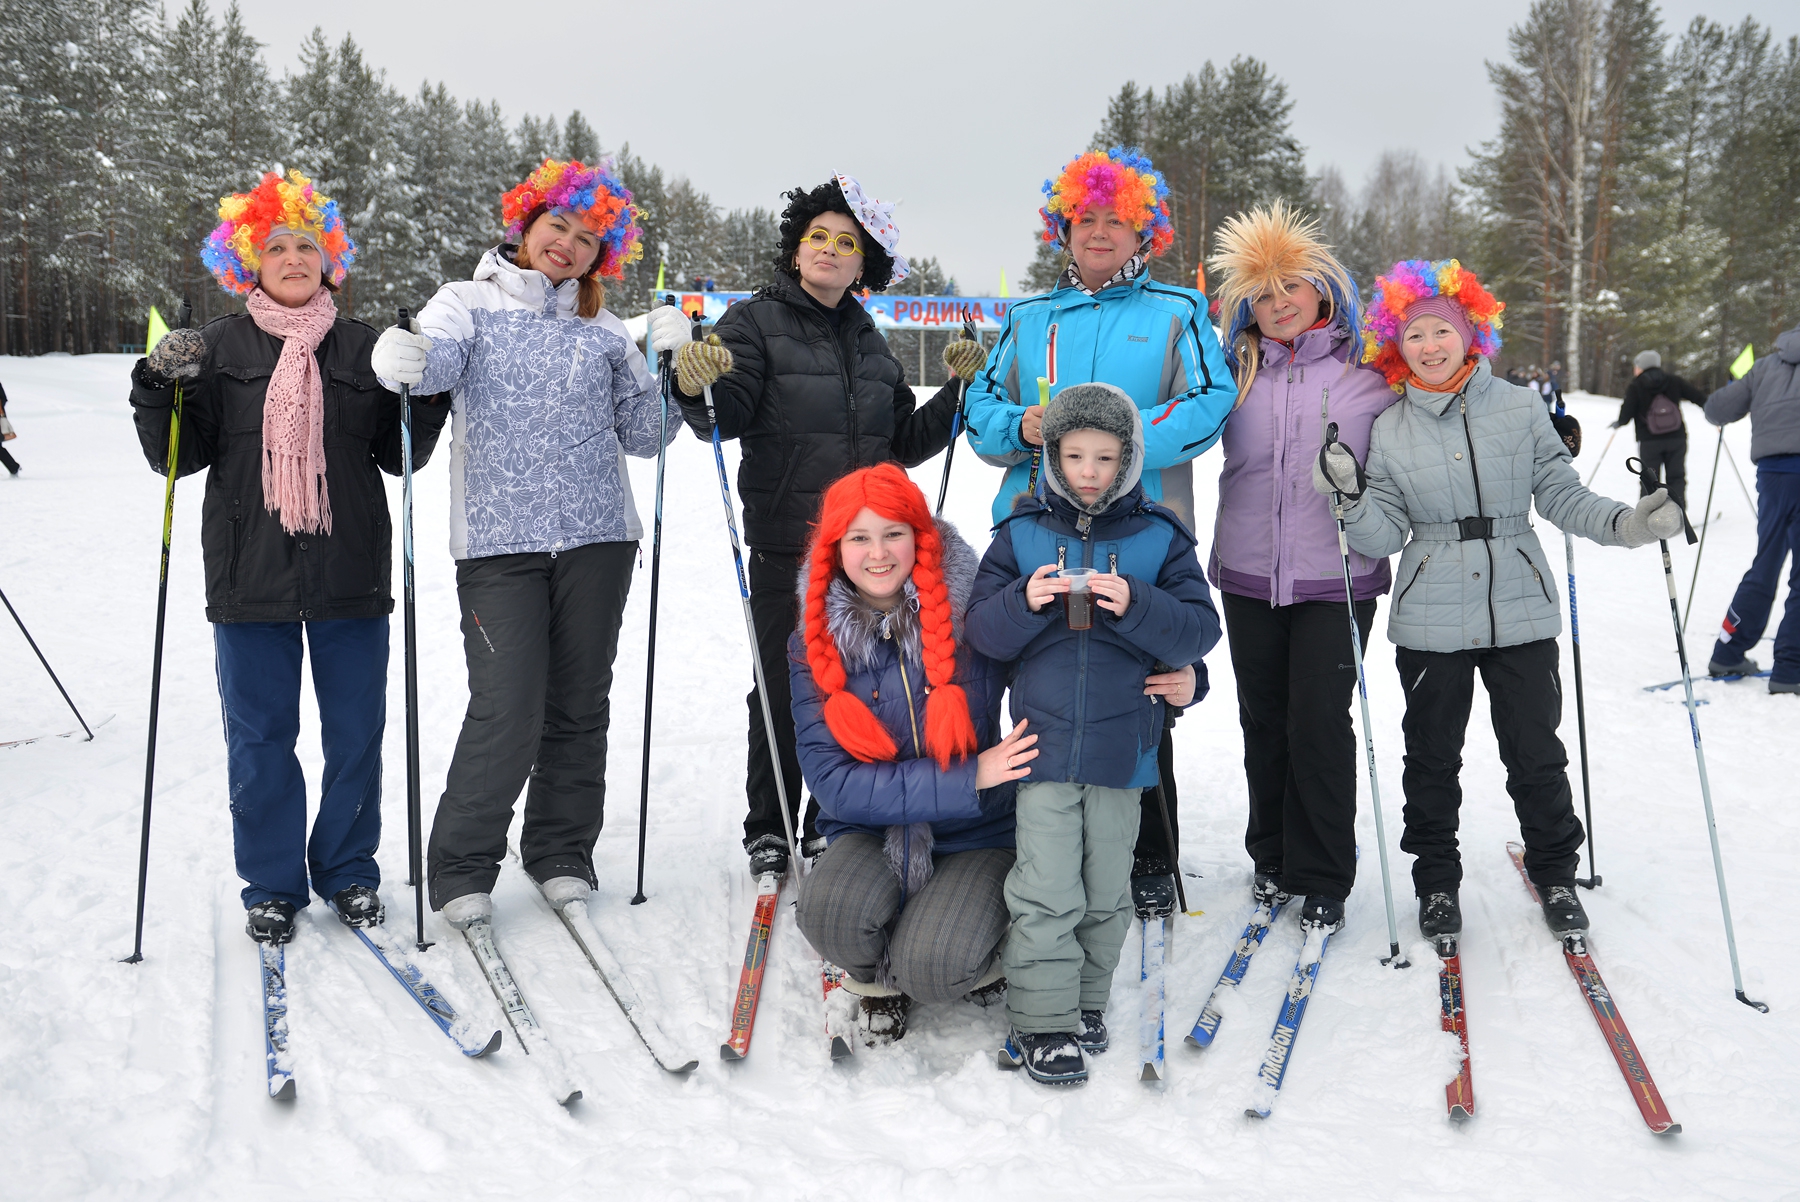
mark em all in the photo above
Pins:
pixel 889 312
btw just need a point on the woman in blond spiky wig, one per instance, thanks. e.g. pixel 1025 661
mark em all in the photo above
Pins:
pixel 1291 314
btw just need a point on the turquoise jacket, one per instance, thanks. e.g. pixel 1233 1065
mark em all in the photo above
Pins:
pixel 1150 339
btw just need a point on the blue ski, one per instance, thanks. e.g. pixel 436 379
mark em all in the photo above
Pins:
pixel 1287 1024
pixel 1207 1025
pixel 461 1030
pixel 1150 1005
pixel 275 1028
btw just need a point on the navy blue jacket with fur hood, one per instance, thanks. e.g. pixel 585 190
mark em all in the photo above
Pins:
pixel 1084 690
pixel 891 797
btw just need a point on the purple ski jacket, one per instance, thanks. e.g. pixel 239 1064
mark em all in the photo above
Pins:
pixel 1275 538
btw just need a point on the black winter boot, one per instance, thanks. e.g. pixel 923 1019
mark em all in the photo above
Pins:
pixel 271 922
pixel 1562 909
pixel 769 853
pixel 1048 1057
pixel 1092 1036
pixel 1266 890
pixel 1324 912
pixel 883 1019
pixel 1153 896
pixel 1440 914
pixel 358 906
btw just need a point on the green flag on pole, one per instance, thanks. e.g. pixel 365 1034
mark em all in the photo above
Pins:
pixel 158 327
pixel 660 266
pixel 1740 366
pixel 1003 281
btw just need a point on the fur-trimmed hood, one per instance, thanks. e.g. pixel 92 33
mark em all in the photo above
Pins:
pixel 1094 407
pixel 858 628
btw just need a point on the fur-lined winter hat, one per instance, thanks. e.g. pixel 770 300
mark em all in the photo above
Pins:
pixel 593 195
pixel 1122 177
pixel 1257 252
pixel 949 732
pixel 1419 287
pixel 1100 407
pixel 247 220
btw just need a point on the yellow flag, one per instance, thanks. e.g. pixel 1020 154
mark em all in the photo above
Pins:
pixel 1740 366
pixel 1003 281
pixel 659 276
pixel 158 327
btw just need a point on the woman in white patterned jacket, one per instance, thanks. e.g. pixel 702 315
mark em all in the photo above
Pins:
pixel 550 394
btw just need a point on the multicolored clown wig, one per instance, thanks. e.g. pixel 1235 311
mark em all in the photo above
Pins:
pixel 233 251
pixel 1258 252
pixel 594 196
pixel 1124 178
pixel 949 732
pixel 1398 298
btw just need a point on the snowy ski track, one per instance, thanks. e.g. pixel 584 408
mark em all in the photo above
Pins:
pixel 147 1082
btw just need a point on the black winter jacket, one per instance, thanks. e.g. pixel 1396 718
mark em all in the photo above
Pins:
pixel 807 407
pixel 255 570
pixel 1645 387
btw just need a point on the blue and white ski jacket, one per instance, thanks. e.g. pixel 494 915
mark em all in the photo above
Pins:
pixel 1150 339
pixel 546 405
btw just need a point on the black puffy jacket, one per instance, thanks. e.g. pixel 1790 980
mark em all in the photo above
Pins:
pixel 255 570
pixel 807 407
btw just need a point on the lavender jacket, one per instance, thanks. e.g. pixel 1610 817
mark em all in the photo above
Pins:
pixel 1275 538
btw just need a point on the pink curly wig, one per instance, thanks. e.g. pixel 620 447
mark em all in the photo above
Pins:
pixel 1122 177
pixel 1411 281
pixel 594 195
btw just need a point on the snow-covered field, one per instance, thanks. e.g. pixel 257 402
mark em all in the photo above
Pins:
pixel 124 1082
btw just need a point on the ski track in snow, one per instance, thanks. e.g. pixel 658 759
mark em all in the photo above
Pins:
pixel 146 1082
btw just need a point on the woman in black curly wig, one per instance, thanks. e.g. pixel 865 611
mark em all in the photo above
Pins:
pixel 806 383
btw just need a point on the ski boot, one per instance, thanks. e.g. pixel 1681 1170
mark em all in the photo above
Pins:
pixel 270 921
pixel 1048 1057
pixel 1324 913
pixel 1563 911
pixel 1744 667
pixel 991 988
pixel 1266 890
pixel 1152 886
pixel 1092 1037
pixel 768 854
pixel 882 1020
pixel 1784 686
pixel 358 906
pixel 463 912
pixel 1440 915
pixel 559 891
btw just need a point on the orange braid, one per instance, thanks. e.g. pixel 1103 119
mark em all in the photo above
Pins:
pixel 949 732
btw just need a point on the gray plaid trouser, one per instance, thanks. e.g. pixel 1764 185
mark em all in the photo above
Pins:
pixel 938 947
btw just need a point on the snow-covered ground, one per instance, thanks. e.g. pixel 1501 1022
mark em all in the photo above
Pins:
pixel 124 1082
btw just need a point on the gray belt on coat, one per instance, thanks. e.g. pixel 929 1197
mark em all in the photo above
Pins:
pixel 1469 529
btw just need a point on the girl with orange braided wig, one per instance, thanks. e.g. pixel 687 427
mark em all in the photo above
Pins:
pixel 890 715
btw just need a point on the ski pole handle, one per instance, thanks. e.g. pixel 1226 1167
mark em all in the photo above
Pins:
pixel 1331 434
pixel 185 315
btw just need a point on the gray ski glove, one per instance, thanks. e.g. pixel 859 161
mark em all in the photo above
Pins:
pixel 1336 470
pixel 177 355
pixel 1654 518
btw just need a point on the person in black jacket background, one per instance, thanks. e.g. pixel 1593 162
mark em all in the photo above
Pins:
pixel 804 381
pixel 1661 434
pixel 282 406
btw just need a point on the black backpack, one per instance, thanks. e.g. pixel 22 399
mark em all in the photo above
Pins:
pixel 1663 416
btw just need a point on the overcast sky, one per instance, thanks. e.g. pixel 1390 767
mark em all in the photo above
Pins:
pixel 958 110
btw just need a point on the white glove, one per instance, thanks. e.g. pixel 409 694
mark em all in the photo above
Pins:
pixel 670 329
pixel 1336 471
pixel 1654 518
pixel 399 355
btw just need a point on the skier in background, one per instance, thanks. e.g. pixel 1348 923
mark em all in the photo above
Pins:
pixel 1653 406
pixel 804 381
pixel 7 434
pixel 1458 464
pixel 551 394
pixel 1770 393
pixel 1108 321
pixel 282 405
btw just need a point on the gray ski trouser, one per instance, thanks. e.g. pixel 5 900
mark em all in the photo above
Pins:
pixel 540 632
pixel 937 948
pixel 1070 897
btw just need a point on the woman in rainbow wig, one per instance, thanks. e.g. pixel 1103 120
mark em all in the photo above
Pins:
pixel 1457 463
pixel 1107 321
pixel 550 394
pixel 282 405
pixel 1291 314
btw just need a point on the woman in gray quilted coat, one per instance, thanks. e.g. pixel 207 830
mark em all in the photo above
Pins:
pixel 1457 462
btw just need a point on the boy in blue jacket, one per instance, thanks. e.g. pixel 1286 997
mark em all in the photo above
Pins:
pixel 1083 692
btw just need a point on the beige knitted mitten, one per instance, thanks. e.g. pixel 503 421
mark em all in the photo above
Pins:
pixel 700 364
pixel 964 358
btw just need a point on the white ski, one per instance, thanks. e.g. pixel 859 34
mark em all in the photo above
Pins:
pixel 1151 1000
pixel 480 936
pixel 612 974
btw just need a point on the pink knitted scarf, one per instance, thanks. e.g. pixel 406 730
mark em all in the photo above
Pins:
pixel 293 472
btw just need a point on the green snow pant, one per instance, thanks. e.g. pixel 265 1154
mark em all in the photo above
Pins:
pixel 1069 892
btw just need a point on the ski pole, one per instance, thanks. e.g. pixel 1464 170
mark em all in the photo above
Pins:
pixel 162 607
pixel 47 668
pixel 1732 460
pixel 1712 826
pixel 1705 521
pixel 1602 459
pixel 956 423
pixel 1393 957
pixel 662 456
pixel 1592 881
pixel 762 685
pixel 415 822
pixel 1162 805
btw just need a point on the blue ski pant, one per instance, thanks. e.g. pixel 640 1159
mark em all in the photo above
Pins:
pixel 1777 537
pixel 259 693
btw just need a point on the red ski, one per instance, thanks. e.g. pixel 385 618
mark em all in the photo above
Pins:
pixel 1459 1095
pixel 756 958
pixel 1612 1025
